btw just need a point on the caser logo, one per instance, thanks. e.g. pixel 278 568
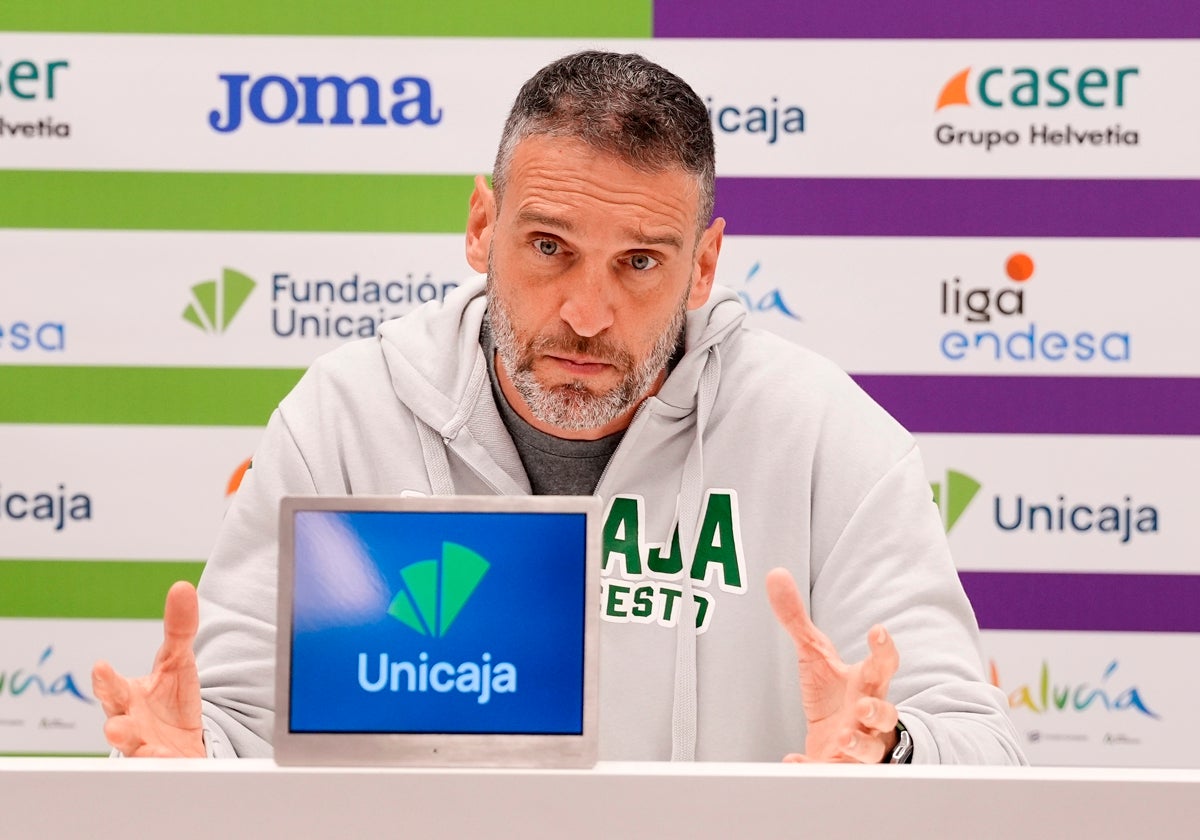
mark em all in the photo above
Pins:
pixel 1028 87
pixel 215 303
pixel 313 100
pixel 953 496
pixel 433 595
pixel 31 80
pixel 995 89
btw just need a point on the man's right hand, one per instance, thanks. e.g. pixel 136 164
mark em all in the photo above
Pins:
pixel 158 715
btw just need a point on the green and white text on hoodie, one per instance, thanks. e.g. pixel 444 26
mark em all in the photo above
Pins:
pixel 762 453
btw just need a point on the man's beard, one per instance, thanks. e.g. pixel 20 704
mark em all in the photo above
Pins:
pixel 573 405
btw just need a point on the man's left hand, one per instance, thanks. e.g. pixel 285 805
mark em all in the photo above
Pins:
pixel 849 717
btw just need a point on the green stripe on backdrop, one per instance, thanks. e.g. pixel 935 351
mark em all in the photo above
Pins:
pixel 167 396
pixel 89 588
pixel 508 18
pixel 56 199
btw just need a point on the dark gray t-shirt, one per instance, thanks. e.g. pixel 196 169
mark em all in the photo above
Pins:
pixel 555 466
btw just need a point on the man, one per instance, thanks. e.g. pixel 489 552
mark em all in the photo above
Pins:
pixel 600 359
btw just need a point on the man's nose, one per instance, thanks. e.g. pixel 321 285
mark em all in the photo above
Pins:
pixel 587 306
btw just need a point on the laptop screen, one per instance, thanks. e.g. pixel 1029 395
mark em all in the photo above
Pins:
pixel 420 621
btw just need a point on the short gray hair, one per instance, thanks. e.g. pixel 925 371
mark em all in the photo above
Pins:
pixel 621 104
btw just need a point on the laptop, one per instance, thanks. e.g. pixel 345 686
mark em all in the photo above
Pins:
pixel 438 631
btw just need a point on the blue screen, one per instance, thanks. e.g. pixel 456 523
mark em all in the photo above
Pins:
pixel 438 622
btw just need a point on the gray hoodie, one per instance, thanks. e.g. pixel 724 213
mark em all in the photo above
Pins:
pixel 755 453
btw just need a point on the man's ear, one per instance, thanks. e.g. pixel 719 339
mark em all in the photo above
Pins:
pixel 480 218
pixel 705 269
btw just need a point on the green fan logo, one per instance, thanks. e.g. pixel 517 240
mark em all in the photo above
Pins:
pixel 214 303
pixel 960 489
pixel 435 591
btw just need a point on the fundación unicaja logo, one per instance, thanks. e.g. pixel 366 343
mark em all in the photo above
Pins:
pixel 215 303
pixel 953 496
pixel 434 592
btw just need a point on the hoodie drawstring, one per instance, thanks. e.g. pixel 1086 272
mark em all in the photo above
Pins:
pixel 437 465
pixel 683 712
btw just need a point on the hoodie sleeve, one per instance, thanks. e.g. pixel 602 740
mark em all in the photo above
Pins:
pixel 891 565
pixel 235 648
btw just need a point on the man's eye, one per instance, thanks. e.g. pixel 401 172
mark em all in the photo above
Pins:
pixel 548 247
pixel 642 262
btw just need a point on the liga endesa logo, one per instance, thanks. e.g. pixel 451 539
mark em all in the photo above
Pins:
pixel 996 327
pixel 432 595
pixel 1046 513
pixel 993 94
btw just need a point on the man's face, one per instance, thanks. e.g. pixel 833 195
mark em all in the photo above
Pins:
pixel 591 266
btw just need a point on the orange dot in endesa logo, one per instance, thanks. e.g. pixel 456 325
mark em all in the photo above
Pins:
pixel 1019 267
pixel 235 480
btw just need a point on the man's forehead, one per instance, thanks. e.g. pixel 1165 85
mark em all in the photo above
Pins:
pixel 552 179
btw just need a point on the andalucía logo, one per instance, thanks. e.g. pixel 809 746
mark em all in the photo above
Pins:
pixel 998 90
pixel 1045 693
pixel 994 325
pixel 324 100
pixel 758 299
pixel 24 84
pixel 435 591
pixel 215 303
pixel 1053 513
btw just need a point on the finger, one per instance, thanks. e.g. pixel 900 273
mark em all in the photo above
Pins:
pixel 881 663
pixel 110 688
pixel 181 614
pixel 863 747
pixel 876 715
pixel 789 610
pixel 797 758
pixel 121 733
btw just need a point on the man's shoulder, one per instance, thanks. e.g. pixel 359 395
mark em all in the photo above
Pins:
pixel 778 364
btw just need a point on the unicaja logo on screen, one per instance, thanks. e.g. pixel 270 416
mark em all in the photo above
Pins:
pixel 991 322
pixel 433 594
pixel 323 100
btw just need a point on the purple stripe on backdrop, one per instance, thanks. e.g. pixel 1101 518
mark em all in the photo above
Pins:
pixel 1067 601
pixel 959 207
pixel 1039 405
pixel 927 19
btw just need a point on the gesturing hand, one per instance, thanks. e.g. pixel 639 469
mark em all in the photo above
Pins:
pixel 849 717
pixel 158 715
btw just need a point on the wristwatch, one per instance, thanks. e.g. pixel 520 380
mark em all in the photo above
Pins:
pixel 903 752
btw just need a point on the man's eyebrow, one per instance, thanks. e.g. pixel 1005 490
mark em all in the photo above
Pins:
pixel 527 216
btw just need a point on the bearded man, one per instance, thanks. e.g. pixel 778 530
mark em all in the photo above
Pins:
pixel 597 357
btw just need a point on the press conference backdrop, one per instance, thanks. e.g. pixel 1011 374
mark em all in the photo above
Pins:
pixel 990 216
